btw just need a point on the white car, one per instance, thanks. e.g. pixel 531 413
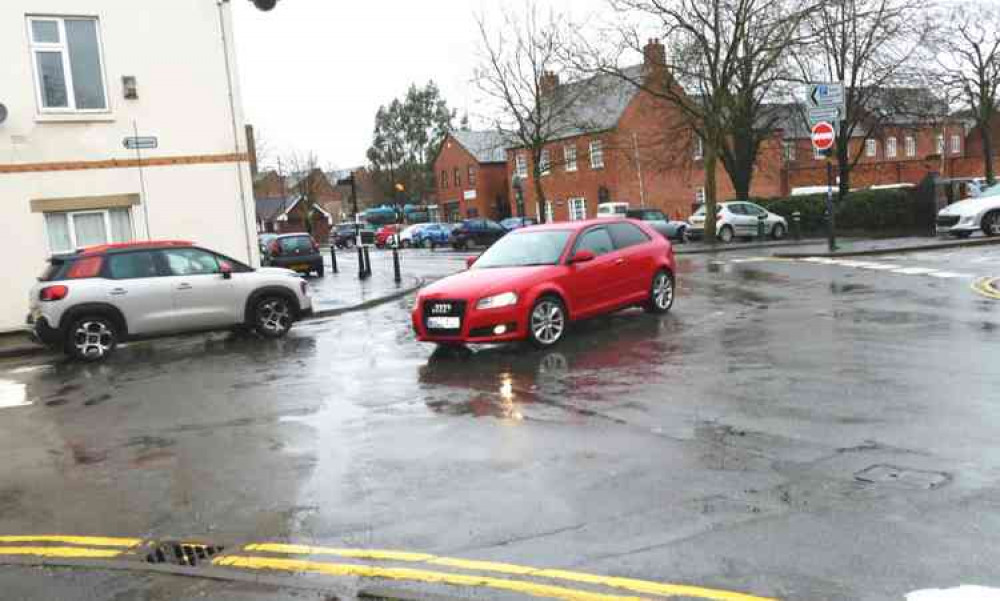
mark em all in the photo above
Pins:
pixel 738 220
pixel 86 302
pixel 611 210
pixel 963 218
pixel 406 236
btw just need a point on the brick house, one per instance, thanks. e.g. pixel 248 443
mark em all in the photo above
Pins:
pixel 305 202
pixel 471 177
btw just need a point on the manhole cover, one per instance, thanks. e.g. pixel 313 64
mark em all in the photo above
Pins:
pixel 182 554
pixel 892 474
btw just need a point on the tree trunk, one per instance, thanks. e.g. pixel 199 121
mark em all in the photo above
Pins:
pixel 711 158
pixel 741 171
pixel 987 137
pixel 539 192
pixel 843 166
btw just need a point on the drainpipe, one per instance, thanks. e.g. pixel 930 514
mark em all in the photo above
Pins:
pixel 236 129
pixel 638 167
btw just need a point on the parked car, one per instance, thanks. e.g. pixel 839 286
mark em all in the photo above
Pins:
pixel 476 232
pixel 737 220
pixel 344 235
pixel 406 236
pixel 533 282
pixel 298 252
pixel 433 235
pixel 607 210
pixel 386 235
pixel 87 302
pixel 513 223
pixel 964 217
pixel 671 229
pixel 263 241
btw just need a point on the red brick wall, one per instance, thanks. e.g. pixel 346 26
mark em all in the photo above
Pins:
pixel 491 182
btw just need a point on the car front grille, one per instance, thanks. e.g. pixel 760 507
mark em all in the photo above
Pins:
pixel 947 220
pixel 443 308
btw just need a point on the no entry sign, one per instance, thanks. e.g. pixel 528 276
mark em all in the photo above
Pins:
pixel 823 136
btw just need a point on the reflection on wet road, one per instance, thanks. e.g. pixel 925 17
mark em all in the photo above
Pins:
pixel 799 431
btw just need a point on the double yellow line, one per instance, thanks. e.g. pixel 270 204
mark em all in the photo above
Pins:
pixel 38 546
pixel 263 562
pixel 988 287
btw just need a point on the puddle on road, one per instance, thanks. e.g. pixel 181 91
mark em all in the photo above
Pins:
pixel 12 394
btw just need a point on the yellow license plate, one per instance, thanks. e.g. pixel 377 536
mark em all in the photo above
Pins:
pixel 299 267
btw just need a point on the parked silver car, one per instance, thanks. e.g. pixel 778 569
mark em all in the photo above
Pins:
pixel 88 301
pixel 738 220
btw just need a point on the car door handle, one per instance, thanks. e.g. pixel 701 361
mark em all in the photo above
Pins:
pixel 118 292
pixel 184 286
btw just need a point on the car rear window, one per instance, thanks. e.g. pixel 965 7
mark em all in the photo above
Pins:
pixel 126 266
pixel 293 243
pixel 55 270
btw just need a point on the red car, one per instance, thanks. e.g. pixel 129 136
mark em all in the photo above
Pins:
pixel 385 235
pixel 536 280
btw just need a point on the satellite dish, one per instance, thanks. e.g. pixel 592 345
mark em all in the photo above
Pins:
pixel 3 113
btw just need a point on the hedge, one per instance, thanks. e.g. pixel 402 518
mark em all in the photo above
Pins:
pixel 871 211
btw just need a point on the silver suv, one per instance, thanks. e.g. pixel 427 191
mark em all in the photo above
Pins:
pixel 88 301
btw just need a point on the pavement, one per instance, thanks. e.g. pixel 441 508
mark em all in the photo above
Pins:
pixel 792 429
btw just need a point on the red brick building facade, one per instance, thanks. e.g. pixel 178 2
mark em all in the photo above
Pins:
pixel 471 174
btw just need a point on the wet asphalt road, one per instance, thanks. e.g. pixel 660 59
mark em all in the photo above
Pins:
pixel 794 430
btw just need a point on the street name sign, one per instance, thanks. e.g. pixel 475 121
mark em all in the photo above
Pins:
pixel 140 142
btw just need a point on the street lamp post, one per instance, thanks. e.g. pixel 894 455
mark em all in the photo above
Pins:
pixel 517 183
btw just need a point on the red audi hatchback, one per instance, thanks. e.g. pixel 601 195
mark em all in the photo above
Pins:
pixel 534 281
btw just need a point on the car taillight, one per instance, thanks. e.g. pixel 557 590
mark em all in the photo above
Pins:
pixel 53 293
pixel 315 246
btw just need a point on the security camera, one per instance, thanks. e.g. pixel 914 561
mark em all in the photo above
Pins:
pixel 264 4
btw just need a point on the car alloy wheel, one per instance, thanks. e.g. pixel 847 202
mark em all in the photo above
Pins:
pixel 661 293
pixel 726 234
pixel 547 322
pixel 991 223
pixel 778 232
pixel 274 317
pixel 92 338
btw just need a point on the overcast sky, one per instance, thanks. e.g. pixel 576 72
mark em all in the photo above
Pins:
pixel 313 72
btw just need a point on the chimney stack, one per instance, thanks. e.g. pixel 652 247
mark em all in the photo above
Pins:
pixel 654 54
pixel 548 83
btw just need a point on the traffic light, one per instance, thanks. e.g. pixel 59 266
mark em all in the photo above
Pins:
pixel 264 4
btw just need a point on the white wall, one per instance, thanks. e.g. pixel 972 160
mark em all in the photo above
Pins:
pixel 174 48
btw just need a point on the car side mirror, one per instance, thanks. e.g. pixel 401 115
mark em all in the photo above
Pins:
pixel 582 256
pixel 226 270
pixel 470 261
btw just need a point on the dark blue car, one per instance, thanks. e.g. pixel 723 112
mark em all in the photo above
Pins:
pixel 476 232
pixel 433 235
pixel 513 223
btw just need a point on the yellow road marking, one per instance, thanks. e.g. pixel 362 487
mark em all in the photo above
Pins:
pixel 98 541
pixel 987 287
pixel 63 552
pixel 630 584
pixel 334 569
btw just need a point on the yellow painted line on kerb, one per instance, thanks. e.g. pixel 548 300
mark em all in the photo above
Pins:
pixel 340 569
pixel 61 552
pixel 987 287
pixel 630 584
pixel 97 541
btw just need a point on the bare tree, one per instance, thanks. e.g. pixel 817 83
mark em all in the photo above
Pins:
pixel 871 46
pixel 304 179
pixel 966 52
pixel 519 75
pixel 727 62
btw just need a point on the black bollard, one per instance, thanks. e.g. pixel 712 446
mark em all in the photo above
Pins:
pixel 395 265
pixel 368 263
pixel 361 263
pixel 333 257
pixel 797 225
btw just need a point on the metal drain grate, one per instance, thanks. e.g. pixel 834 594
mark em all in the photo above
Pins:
pixel 182 554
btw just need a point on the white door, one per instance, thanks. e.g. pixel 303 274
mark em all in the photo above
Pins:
pixel 203 296
pixel 138 289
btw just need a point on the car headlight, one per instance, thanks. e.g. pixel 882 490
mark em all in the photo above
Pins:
pixel 497 300
pixel 967 219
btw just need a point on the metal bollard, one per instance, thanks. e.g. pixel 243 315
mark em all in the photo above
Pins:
pixel 395 265
pixel 797 225
pixel 368 263
pixel 333 257
pixel 361 263
pixel 761 226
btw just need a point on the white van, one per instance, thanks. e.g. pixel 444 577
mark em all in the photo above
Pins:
pixel 609 210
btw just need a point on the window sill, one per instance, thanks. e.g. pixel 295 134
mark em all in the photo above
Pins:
pixel 74 118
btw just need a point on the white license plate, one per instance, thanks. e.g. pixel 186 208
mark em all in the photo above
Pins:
pixel 443 323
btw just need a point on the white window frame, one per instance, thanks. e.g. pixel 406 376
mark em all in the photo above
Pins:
pixel 956 143
pixel 62 48
pixel 71 226
pixel 577 204
pixel 569 157
pixel 939 144
pixel 871 148
pixel 788 150
pixel 549 213
pixel 699 195
pixel 699 148
pixel 890 147
pixel 521 165
pixel 911 146
pixel 596 154
pixel 545 162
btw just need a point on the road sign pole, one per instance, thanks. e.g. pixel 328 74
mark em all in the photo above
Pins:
pixel 831 224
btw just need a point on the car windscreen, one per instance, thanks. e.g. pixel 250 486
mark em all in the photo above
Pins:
pixel 527 248
pixel 294 243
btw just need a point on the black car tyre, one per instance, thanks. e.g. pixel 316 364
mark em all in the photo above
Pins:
pixel 778 231
pixel 991 223
pixel 91 338
pixel 661 293
pixel 273 316
pixel 320 271
pixel 547 322
pixel 726 234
